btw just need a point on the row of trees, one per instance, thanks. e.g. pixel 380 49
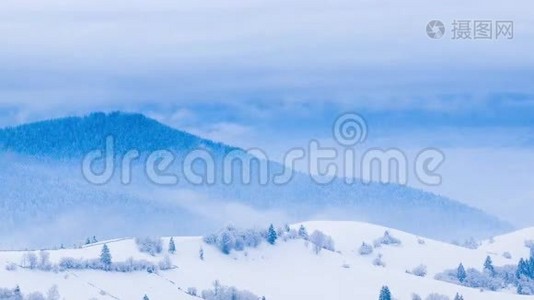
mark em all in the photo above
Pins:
pixel 221 292
pixel 385 294
pixel 16 294
pixel 525 268
pixel 105 262
pixel 230 238
pixel 494 278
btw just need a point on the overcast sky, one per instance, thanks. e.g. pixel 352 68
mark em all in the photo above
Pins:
pixel 276 73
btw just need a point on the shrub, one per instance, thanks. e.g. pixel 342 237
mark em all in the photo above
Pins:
pixel 220 292
pixel 435 296
pixel 420 271
pixel 44 261
pixel 416 297
pixel 11 267
pixel 469 243
pixel 11 294
pixel 149 245
pixel 192 291
pixel 166 263
pixel 365 249
pixel 29 260
pixel 35 296
pixel 378 261
pixel 230 238
pixel 387 239
pixel 321 241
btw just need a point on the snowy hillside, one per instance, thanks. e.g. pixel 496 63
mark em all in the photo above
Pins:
pixel 292 268
pixel 44 189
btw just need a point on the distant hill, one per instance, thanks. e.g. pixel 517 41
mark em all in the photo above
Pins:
pixel 44 197
pixel 75 136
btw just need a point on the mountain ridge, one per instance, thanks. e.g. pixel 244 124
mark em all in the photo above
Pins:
pixel 44 184
pixel 74 136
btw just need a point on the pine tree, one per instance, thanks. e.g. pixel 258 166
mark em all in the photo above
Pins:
pixel 458 297
pixel 488 266
pixel 461 274
pixel 17 293
pixel 303 233
pixel 271 235
pixel 146 297
pixel 522 268
pixel 172 246
pixel 201 253
pixel 87 241
pixel 287 228
pixel 94 240
pixel 385 294
pixel 105 257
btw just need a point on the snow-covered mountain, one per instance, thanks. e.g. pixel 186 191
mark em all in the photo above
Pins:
pixel 290 269
pixel 45 200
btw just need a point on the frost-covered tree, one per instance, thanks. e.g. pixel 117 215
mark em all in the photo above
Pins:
pixel 146 297
pixel 525 268
pixel 221 292
pixel 321 241
pixel 504 276
pixel 53 293
pixel 11 294
pixel 525 286
pixel 44 261
pixel 201 253
pixel 172 246
pixel 166 263
pixel 94 240
pixel 303 233
pixel 385 294
pixel 460 273
pixel 378 261
pixel 435 296
pixel 287 228
pixel 231 238
pixel 105 257
pixel 488 266
pixel 470 243
pixel 29 260
pixel 226 241
pixel 149 245
pixel 365 249
pixel 522 268
pixel 387 239
pixel 458 297
pixel 271 235
pixel 420 271
pixel 192 291
pixel 35 296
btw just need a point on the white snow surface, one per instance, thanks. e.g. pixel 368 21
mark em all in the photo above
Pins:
pixel 287 270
